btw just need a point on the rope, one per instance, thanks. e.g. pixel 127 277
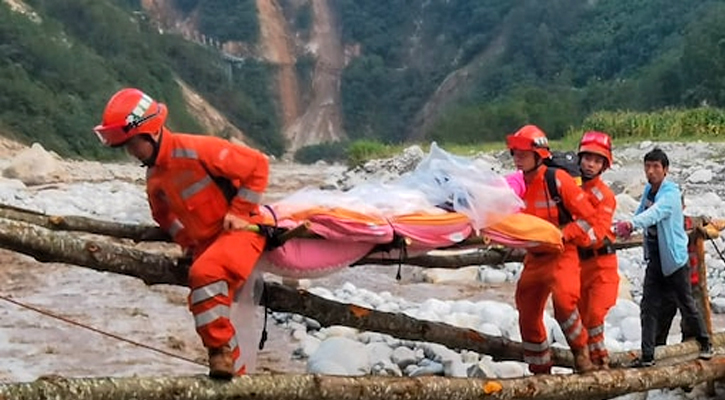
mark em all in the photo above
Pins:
pixel 717 249
pixel 90 328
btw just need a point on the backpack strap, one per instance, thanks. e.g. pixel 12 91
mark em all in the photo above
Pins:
pixel 564 214
pixel 224 184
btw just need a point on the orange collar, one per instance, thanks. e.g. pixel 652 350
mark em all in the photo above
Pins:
pixel 536 174
pixel 165 145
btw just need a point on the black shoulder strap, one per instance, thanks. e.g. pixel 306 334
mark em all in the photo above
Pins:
pixel 564 214
pixel 224 184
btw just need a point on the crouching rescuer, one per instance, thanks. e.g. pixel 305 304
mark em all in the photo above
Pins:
pixel 205 192
pixel 551 273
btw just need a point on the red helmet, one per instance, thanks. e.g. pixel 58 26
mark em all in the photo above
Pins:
pixel 597 143
pixel 529 137
pixel 130 112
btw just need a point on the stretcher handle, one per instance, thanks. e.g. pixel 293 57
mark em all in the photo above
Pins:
pixel 296 232
pixel 301 230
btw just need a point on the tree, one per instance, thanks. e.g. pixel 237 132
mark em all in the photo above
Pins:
pixel 703 59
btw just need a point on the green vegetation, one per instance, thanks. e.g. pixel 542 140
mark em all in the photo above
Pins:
pixel 550 63
pixel 240 91
pixel 57 73
pixel 702 123
pixel 408 49
pixel 352 153
pixel 329 152
pixel 360 151
pixel 553 110
pixel 646 69
pixel 222 20
pixel 303 18
pixel 670 124
pixel 229 20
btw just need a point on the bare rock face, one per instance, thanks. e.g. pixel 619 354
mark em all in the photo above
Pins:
pixel 36 166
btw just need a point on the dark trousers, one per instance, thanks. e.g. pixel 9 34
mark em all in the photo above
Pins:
pixel 656 289
pixel 668 310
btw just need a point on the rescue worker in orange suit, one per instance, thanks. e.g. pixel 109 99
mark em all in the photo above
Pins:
pixel 185 192
pixel 546 273
pixel 599 266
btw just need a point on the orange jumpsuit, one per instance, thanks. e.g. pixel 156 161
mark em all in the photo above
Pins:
pixel 599 269
pixel 555 274
pixel 186 201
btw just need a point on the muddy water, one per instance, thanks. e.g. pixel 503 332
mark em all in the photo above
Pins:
pixel 35 344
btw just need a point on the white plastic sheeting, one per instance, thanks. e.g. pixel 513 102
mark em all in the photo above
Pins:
pixel 468 186
pixel 441 182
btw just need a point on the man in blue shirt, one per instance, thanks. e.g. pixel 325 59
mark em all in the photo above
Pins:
pixel 665 248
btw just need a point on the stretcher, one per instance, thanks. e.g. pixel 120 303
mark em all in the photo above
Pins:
pixel 334 239
pixel 447 201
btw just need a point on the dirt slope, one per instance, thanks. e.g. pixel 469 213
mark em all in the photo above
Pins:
pixel 322 119
pixel 209 117
pixel 278 49
pixel 452 87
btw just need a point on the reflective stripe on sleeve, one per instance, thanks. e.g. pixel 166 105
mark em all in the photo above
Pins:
pixel 249 195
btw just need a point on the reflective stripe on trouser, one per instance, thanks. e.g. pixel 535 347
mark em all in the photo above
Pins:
pixel 215 275
pixel 597 349
pixel 538 356
pixel 532 293
pixel 573 329
pixel 599 289
pixel 565 297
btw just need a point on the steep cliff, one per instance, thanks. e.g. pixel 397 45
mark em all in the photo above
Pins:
pixel 305 120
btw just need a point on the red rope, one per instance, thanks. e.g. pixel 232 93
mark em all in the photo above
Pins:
pixel 90 328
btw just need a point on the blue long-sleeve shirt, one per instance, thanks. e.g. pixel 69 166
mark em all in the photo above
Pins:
pixel 666 214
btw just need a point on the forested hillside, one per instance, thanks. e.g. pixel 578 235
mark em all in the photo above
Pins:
pixel 57 70
pixel 550 62
pixel 456 71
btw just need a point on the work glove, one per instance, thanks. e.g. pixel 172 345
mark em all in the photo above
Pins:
pixel 623 229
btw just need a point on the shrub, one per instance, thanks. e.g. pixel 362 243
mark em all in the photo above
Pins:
pixel 329 152
pixel 361 151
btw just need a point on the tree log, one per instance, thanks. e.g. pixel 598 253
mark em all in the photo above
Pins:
pixel 81 224
pixel 595 385
pixel 491 255
pixel 51 246
pixel 48 246
pixel 328 312
pixel 703 300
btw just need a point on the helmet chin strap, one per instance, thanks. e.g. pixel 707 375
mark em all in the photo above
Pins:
pixel 588 177
pixel 156 146
pixel 539 162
